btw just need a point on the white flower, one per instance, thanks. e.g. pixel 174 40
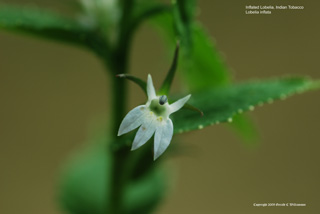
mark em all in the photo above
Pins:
pixel 153 117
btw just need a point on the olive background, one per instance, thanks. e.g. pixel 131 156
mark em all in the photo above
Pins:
pixel 53 96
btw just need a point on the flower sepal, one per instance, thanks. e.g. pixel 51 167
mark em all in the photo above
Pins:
pixel 143 85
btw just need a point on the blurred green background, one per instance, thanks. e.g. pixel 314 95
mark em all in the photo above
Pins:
pixel 52 95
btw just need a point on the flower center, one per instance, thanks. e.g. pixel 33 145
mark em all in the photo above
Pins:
pixel 158 108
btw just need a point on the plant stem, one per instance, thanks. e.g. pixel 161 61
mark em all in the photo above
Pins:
pixel 119 64
pixel 119 98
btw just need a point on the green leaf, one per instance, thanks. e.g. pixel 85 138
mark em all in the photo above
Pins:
pixel 84 185
pixel 166 85
pixel 45 24
pixel 183 18
pixel 192 108
pixel 222 104
pixel 142 84
pixel 201 63
pixel 186 9
pixel 246 129
pixel 203 67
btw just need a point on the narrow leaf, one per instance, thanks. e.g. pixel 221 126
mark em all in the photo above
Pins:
pixel 165 88
pixel 142 84
pixel 192 108
pixel 221 105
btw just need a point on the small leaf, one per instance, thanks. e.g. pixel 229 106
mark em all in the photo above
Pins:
pixel 142 84
pixel 192 108
pixel 166 85
pixel 221 105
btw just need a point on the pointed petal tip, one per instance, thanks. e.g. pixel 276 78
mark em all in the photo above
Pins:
pixel 186 99
pixel 151 92
pixel 120 133
pixel 149 81
pixel 179 103
pixel 156 155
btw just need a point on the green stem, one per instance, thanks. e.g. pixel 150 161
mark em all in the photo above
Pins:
pixel 119 93
pixel 119 100
pixel 119 64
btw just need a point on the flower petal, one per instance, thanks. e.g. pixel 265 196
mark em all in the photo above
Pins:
pixel 145 132
pixel 179 104
pixel 150 89
pixel 162 138
pixel 132 120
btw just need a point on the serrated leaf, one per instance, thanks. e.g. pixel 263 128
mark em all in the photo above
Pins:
pixel 42 23
pixel 84 185
pixel 220 105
